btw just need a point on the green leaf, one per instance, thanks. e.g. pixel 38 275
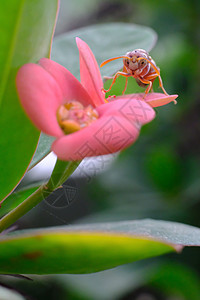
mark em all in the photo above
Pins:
pixel 43 148
pixel 93 247
pixel 16 198
pixel 106 40
pixel 26 28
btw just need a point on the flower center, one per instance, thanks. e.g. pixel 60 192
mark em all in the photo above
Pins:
pixel 73 116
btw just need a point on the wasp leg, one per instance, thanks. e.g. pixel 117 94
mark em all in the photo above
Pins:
pixel 114 79
pixel 125 87
pixel 149 87
pixel 111 77
pixel 161 85
pixel 146 82
pixel 124 90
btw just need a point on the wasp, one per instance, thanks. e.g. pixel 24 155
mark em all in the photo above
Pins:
pixel 138 64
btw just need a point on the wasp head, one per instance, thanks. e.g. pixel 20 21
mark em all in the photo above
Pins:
pixel 134 60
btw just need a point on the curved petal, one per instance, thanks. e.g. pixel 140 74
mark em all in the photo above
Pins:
pixel 40 96
pixel 153 99
pixel 108 134
pixel 69 85
pixel 90 73
pixel 132 109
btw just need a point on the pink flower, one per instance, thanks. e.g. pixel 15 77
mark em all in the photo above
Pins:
pixel 57 103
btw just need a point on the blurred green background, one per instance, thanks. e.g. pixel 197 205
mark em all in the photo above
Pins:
pixel 158 177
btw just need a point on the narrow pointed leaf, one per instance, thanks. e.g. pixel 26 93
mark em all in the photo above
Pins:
pixel 93 247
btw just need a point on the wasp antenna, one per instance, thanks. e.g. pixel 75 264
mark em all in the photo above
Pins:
pixel 156 69
pixel 111 59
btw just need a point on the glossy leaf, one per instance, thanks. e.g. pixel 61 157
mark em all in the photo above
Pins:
pixel 93 247
pixel 105 40
pixel 26 28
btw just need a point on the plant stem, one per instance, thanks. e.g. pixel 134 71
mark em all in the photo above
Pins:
pixel 62 170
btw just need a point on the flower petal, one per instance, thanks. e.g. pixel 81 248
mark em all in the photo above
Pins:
pixel 108 134
pixel 90 73
pixel 153 99
pixel 40 96
pixel 69 85
pixel 130 108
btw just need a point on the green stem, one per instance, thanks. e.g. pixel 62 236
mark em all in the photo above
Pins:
pixel 59 168
pixel 61 172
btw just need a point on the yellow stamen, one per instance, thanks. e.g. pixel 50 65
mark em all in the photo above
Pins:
pixel 73 116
